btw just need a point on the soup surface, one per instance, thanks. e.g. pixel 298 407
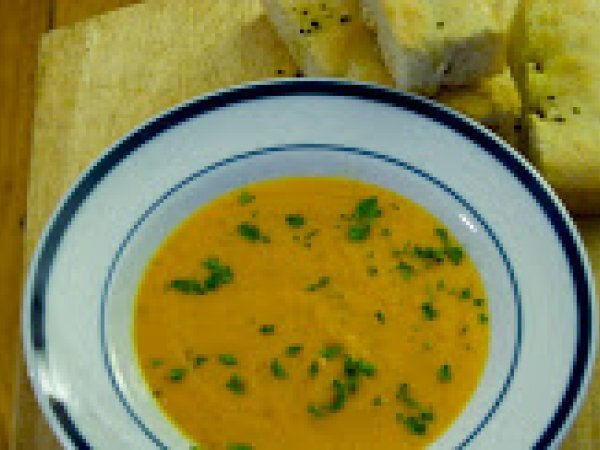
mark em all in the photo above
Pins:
pixel 311 313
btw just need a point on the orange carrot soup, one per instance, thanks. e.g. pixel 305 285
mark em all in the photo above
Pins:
pixel 311 313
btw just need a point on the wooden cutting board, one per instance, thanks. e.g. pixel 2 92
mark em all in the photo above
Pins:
pixel 99 78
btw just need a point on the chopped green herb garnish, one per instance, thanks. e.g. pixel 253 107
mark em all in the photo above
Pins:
pixel 406 270
pixel 366 368
pixel 246 198
pixel 350 367
pixel 478 302
pixel 295 220
pixel 445 373
pixel 177 374
pixel 331 351
pixel 156 363
pixel 321 283
pixel 227 359
pixel 342 388
pixel 385 232
pixel 372 271
pixel 313 369
pixel 187 286
pixel 442 233
pixel 294 350
pixel 200 360
pixel 403 395
pixel 415 425
pixel 429 254
pixel 377 401
pixel 236 384
pixel 268 329
pixel 339 396
pixel 251 232
pixel 315 410
pixel 465 294
pixel 367 208
pixel 427 416
pixel 219 275
pixel 238 446
pixel 277 369
pixel 380 316
pixel 483 318
pixel 440 285
pixel 359 232
pixel 365 212
pixel 355 367
pixel 429 312
pixel 454 254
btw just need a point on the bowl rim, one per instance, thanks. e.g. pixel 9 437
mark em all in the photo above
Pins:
pixel 33 337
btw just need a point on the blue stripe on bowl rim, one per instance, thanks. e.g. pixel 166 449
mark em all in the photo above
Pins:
pixel 34 304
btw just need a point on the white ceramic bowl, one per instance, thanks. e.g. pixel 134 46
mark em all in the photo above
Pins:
pixel 78 304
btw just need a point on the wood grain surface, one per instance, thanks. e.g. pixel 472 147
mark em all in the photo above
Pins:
pixel 21 24
pixel 82 67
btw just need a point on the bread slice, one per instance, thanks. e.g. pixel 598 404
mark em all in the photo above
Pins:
pixel 555 55
pixel 494 102
pixel 429 43
pixel 350 51
pixel 328 38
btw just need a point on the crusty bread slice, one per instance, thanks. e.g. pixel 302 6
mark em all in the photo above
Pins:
pixel 328 38
pixel 429 43
pixel 555 55
pixel 350 51
pixel 494 102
